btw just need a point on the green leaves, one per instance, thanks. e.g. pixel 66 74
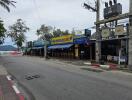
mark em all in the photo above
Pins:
pixel 44 32
pixel 17 31
pixel 6 3
pixel 2 32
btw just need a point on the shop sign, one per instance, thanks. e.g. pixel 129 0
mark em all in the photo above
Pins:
pixel 116 58
pixel 79 36
pixel 62 39
pixel 130 30
pixel 83 40
pixel 105 33
pixel 119 30
pixel 123 59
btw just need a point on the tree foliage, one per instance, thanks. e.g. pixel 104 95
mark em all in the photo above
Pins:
pixel 44 32
pixel 57 33
pixel 47 32
pixel 6 3
pixel 2 32
pixel 66 32
pixel 16 32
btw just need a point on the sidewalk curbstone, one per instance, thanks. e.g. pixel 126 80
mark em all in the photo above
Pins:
pixel 18 93
pixel 106 67
pixel 87 63
pixel 95 65
pixel 11 83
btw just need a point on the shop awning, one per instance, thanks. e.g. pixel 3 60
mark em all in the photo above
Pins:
pixel 60 46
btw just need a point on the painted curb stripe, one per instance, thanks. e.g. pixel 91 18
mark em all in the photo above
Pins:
pixel 9 78
pixel 16 89
pixel 1 93
pixel 21 97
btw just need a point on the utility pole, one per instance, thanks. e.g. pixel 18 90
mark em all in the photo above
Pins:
pixel 98 34
pixel 45 49
pixel 130 36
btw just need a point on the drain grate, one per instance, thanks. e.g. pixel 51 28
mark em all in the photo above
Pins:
pixel 31 77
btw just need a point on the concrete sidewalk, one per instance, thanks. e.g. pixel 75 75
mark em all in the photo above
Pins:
pixel 6 90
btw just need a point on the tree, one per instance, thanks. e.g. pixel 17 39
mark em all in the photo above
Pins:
pixel 6 3
pixel 66 32
pixel 44 32
pixel 57 33
pixel 2 32
pixel 16 32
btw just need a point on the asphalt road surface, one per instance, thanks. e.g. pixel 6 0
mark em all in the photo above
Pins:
pixel 59 81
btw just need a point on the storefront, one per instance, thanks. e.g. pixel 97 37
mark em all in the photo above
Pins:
pixel 62 47
pixel 38 48
pixel 114 50
pixel 84 48
pixel 114 47
pixel 72 47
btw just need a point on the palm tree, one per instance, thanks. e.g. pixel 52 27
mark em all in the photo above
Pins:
pixel 6 3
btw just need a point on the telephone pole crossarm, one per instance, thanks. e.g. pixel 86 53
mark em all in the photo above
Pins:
pixel 122 16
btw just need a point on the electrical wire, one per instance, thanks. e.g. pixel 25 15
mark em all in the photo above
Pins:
pixel 37 10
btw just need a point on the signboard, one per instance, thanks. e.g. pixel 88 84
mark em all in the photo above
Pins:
pixel 79 36
pixel 123 59
pixel 119 30
pixel 105 33
pixel 62 39
pixel 83 40
pixel 130 31
pixel 79 32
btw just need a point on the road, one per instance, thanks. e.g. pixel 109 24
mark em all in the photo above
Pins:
pixel 59 81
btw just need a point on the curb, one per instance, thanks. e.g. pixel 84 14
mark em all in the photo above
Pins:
pixel 108 67
pixel 18 93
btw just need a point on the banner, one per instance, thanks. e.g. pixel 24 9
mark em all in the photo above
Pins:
pixel 119 30
pixel 62 39
pixel 105 33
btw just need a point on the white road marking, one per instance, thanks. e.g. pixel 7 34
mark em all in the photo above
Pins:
pixel 16 89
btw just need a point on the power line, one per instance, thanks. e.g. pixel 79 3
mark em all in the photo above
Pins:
pixel 37 10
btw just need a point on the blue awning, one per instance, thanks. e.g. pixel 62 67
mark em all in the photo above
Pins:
pixel 60 46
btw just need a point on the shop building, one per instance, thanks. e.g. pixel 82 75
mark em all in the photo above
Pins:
pixel 114 45
pixel 36 48
pixel 72 47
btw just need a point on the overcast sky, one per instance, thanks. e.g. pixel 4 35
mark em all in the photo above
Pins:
pixel 63 14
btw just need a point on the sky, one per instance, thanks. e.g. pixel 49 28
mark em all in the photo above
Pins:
pixel 63 14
